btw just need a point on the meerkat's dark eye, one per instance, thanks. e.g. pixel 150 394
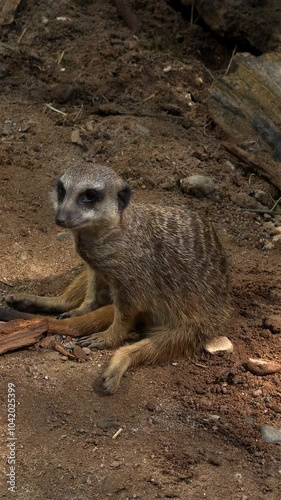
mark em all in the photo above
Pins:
pixel 60 191
pixel 124 197
pixel 90 196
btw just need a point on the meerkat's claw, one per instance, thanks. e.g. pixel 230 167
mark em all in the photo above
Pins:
pixel 69 314
pixel 95 341
pixel 63 315
pixel 111 382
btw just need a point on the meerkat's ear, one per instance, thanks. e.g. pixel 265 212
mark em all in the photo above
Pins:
pixel 124 197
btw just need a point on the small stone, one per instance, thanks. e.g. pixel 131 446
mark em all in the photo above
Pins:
pixel 267 216
pixel 262 367
pixel 268 245
pixel 273 323
pixel 276 230
pixel 106 424
pixel 75 137
pixel 142 128
pixel 271 434
pixel 69 346
pixel 276 241
pixel 198 185
pixel 262 197
pixel 216 418
pixel 63 236
pixel 219 344
pixel 275 408
pixel 6 129
pixel 229 165
pixel 150 406
pixel 199 81
pixel 248 420
pixel 62 93
pixel 243 200
pixel 167 69
pixel 257 393
pixel 87 350
pixel 169 183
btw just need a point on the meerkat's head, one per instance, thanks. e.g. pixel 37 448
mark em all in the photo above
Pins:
pixel 90 196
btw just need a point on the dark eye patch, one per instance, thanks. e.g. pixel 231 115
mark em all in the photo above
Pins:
pixel 124 197
pixel 60 191
pixel 90 196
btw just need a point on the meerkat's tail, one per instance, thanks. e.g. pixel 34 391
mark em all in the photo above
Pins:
pixel 161 346
pixel 93 322
pixel 10 314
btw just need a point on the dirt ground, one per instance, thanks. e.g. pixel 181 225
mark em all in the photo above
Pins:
pixel 190 430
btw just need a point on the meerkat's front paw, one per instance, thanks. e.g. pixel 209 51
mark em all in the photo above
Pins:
pixel 21 302
pixel 111 379
pixel 95 341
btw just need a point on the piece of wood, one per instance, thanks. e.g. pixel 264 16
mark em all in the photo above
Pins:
pixel 269 170
pixel 63 351
pixel 246 103
pixel 47 342
pixel 18 334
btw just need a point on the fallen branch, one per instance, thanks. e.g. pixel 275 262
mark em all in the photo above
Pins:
pixel 21 333
pixel 271 172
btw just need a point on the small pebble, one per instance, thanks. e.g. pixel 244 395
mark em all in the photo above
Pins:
pixel 271 434
pixel 63 236
pixel 216 418
pixel 62 93
pixel 106 424
pixel 87 350
pixel 248 420
pixel 219 344
pixel 199 186
pixel 70 347
pixel 257 393
pixel 142 128
pixel 262 367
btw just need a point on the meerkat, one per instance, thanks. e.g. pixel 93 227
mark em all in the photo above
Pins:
pixel 158 270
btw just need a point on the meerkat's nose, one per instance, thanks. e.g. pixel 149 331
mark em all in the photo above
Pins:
pixel 61 219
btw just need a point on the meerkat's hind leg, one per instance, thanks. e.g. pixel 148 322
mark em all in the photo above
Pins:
pixel 97 294
pixel 159 347
pixel 72 297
